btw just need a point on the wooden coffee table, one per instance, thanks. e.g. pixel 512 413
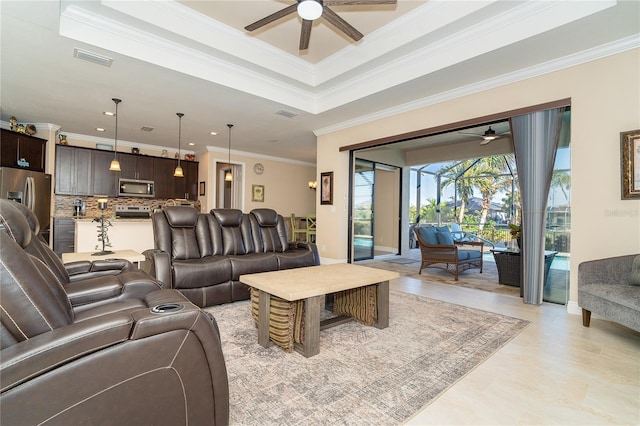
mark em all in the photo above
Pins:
pixel 311 284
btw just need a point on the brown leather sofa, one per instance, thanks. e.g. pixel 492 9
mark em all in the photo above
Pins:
pixel 156 359
pixel 87 284
pixel 203 255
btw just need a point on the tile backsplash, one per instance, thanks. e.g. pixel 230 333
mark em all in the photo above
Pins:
pixel 64 204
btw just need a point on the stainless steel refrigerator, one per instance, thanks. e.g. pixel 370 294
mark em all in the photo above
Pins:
pixel 33 189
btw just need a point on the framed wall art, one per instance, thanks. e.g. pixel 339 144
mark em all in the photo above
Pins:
pixel 326 188
pixel 257 193
pixel 202 188
pixel 630 166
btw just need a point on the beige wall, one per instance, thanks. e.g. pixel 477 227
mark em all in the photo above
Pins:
pixel 604 101
pixel 286 187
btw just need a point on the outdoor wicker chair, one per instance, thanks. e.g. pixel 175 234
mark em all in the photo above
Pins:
pixel 439 250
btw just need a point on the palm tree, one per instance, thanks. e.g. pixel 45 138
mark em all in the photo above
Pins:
pixel 490 179
pixel 561 179
pixel 464 187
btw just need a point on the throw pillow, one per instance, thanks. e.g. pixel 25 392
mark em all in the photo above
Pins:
pixel 635 271
pixel 428 234
pixel 445 238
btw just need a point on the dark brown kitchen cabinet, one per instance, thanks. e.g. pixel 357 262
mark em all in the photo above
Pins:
pixel 135 166
pixel 22 151
pixel 168 186
pixel 73 170
pixel 105 181
pixel 64 235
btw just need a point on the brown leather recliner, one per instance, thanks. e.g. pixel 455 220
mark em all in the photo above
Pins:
pixel 87 284
pixel 153 360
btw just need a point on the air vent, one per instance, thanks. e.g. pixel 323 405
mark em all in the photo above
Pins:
pixel 285 113
pixel 92 57
pixel 146 129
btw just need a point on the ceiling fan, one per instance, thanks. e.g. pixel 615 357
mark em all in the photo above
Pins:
pixel 488 136
pixel 310 10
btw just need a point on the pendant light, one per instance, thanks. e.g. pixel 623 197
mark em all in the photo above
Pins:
pixel 228 176
pixel 115 164
pixel 178 172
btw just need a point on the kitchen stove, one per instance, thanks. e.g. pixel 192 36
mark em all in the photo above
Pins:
pixel 137 212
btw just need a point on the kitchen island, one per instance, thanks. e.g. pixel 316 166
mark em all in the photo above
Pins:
pixel 125 233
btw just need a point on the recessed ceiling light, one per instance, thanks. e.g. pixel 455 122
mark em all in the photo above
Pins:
pixel 214 133
pixel 191 144
pixel 109 113
pixel 100 129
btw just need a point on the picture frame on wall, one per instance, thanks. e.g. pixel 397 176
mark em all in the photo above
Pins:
pixel 326 188
pixel 630 164
pixel 257 193
pixel 202 188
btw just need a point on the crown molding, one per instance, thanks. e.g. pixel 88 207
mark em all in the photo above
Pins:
pixel 600 52
pixel 260 156
pixel 110 141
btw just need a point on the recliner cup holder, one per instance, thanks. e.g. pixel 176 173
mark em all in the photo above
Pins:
pixel 167 308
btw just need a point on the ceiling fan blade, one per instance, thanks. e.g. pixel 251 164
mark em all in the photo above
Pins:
pixel 341 24
pixel 357 2
pixel 305 34
pixel 471 134
pixel 273 17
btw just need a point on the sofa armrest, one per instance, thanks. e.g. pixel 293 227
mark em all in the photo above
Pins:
pixel 612 270
pixel 157 263
pixel 83 269
pixel 46 351
pixel 87 291
pixel 308 246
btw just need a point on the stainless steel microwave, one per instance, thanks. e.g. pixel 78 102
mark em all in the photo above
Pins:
pixel 136 188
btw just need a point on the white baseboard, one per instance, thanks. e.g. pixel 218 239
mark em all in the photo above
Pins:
pixel 574 308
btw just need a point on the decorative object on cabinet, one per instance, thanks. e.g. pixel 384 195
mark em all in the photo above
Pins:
pixel 14 124
pixel 258 168
pixel 115 164
pixel 630 157
pixel 164 154
pixel 30 129
pixel 257 193
pixel 20 128
pixel 228 176
pixel 202 186
pixel 178 171
pixel 103 227
pixel 135 151
pixel 326 185
pixel 62 140
pixel 100 146
pixel 190 157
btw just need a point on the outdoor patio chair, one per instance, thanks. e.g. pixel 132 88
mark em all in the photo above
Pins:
pixel 439 250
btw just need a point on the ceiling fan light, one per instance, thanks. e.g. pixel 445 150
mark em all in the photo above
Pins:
pixel 309 9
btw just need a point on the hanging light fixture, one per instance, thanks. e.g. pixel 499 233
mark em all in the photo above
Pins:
pixel 228 176
pixel 115 164
pixel 178 172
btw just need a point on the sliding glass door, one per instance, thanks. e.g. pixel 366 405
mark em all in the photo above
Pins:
pixel 363 201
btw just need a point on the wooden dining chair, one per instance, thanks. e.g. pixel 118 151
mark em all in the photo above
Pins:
pixel 311 228
pixel 295 230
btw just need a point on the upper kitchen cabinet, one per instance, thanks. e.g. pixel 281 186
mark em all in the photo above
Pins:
pixel 168 186
pixel 73 170
pixel 135 166
pixel 105 181
pixel 22 151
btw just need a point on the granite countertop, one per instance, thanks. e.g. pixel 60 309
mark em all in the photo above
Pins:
pixel 123 219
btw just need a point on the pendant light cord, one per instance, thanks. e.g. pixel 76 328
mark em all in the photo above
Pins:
pixel 180 115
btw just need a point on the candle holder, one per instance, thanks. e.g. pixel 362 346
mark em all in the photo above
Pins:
pixel 103 227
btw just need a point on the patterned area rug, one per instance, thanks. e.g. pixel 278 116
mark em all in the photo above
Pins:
pixel 362 376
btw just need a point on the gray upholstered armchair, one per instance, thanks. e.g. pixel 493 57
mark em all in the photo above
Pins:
pixel 610 288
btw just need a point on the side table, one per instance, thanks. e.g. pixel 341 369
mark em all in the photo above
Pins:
pixel 508 265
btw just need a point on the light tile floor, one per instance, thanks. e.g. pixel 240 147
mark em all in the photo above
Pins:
pixel 555 372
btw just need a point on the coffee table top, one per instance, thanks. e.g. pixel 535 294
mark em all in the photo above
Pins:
pixel 301 283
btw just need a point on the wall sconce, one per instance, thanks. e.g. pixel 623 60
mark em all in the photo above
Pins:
pixel 313 184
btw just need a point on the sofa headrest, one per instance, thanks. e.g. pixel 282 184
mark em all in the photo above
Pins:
pixel 228 217
pixel 13 222
pixel 31 217
pixel 181 216
pixel 265 217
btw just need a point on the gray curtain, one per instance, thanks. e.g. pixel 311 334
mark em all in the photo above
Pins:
pixel 535 139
